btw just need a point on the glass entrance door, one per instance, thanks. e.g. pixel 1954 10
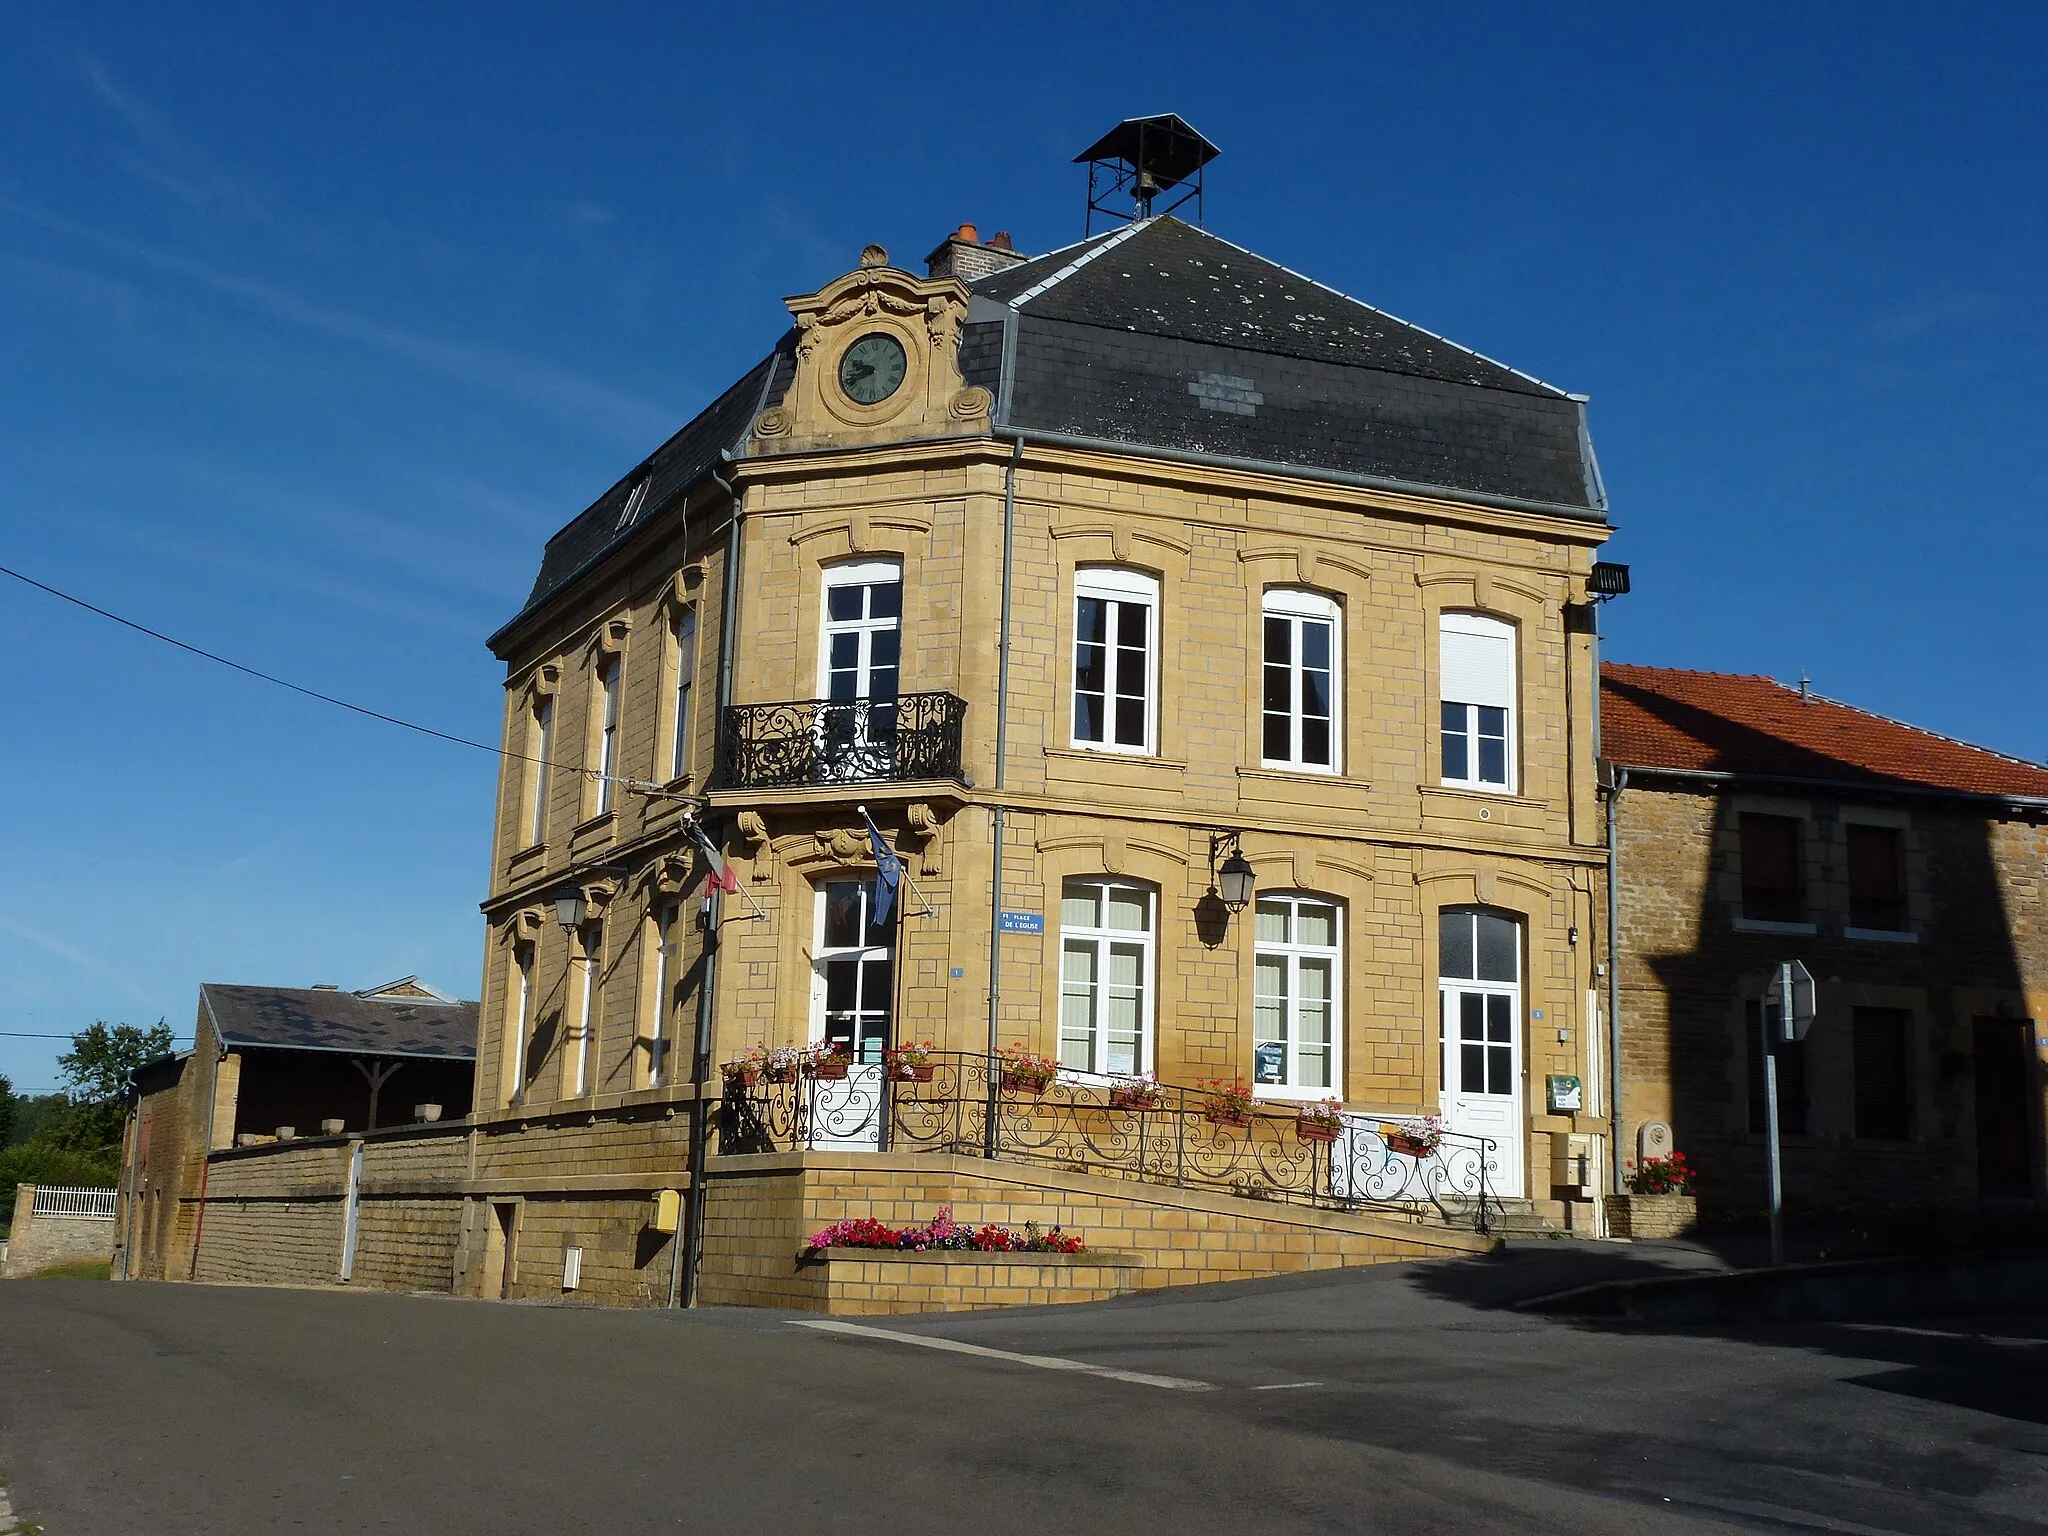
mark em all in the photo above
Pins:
pixel 1479 957
pixel 853 990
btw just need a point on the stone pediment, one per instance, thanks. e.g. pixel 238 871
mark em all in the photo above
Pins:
pixel 885 312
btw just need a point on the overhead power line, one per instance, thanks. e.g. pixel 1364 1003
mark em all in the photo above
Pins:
pixel 641 786
pixel 311 693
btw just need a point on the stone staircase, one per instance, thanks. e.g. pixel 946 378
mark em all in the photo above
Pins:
pixel 1540 1218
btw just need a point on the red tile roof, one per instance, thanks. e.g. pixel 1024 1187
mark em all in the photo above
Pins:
pixel 1661 717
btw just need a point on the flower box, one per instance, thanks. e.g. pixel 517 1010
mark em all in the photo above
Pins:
pixel 1136 1096
pixel 745 1076
pixel 1410 1146
pixel 830 1071
pixel 784 1074
pixel 1025 1082
pixel 1646 1217
pixel 1308 1129
pixel 1236 1117
pixel 911 1071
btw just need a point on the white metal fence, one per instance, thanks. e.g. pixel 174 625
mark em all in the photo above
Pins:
pixel 76 1204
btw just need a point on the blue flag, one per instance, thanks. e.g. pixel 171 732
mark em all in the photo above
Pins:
pixel 888 874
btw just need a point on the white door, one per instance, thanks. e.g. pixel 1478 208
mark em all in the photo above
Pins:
pixel 853 986
pixel 1480 1032
pixel 860 652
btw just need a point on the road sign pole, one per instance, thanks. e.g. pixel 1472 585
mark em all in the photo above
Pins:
pixel 1770 1049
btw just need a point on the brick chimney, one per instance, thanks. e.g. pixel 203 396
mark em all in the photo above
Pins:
pixel 964 255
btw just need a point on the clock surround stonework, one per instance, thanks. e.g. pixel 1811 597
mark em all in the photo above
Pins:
pixel 924 315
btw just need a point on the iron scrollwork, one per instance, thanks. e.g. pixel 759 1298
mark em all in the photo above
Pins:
pixel 800 742
pixel 968 1107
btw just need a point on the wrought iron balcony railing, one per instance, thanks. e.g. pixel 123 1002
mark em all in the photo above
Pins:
pixel 971 1106
pixel 912 737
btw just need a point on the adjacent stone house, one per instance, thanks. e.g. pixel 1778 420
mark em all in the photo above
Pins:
pixel 1909 872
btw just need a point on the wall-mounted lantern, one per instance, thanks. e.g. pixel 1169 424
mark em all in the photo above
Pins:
pixel 1233 881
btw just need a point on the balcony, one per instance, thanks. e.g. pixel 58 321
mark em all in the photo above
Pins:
pixel 804 743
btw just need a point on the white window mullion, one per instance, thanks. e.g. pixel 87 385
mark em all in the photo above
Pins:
pixel 1297 987
pixel 1116 662
pixel 1106 971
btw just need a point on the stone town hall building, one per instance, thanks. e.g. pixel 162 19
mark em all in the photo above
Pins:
pixel 1079 574
pixel 1057 567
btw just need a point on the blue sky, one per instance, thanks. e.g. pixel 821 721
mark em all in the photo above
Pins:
pixel 319 319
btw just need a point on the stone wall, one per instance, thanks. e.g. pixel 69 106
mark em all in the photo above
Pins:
pixel 859 1282
pixel 37 1243
pixel 473 1211
pixel 763 1209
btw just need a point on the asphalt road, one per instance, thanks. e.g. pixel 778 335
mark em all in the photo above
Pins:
pixel 1405 1396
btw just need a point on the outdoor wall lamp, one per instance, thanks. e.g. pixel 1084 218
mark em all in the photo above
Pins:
pixel 1232 883
pixel 570 910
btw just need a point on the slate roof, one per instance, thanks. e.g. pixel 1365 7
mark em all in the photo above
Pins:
pixel 1717 722
pixel 1158 335
pixel 316 1019
pixel 669 471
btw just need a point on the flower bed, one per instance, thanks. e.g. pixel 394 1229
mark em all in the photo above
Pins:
pixel 942 1233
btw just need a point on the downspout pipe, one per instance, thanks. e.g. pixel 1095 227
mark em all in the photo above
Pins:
pixel 131 1139
pixel 1618 781
pixel 997 817
pixel 206 1151
pixel 683 1282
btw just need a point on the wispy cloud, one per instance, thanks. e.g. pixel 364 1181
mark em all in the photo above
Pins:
pixel 76 956
pixel 167 158
pixel 540 386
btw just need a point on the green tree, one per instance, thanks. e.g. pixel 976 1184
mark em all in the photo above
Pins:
pixel 35 1113
pixel 9 1111
pixel 96 1071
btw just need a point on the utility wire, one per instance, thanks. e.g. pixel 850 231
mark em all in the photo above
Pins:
pixel 639 785
pixel 311 693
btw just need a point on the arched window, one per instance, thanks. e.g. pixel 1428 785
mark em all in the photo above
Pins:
pixel 1476 683
pixel 1106 934
pixel 861 641
pixel 1297 985
pixel 1116 660
pixel 1299 680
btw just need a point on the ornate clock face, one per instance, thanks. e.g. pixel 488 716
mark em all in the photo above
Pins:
pixel 871 370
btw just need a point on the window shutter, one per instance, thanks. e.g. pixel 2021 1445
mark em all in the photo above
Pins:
pixel 1883 1065
pixel 1875 900
pixel 1477 662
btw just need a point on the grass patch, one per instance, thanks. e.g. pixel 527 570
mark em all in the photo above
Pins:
pixel 76 1269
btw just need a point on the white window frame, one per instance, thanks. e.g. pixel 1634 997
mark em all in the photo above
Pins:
pixel 1113 584
pixel 1100 939
pixel 663 923
pixel 1482 626
pixel 859 574
pixel 860 954
pixel 522 969
pixel 611 672
pixel 683 640
pixel 541 718
pixel 590 941
pixel 1295 607
pixel 1292 952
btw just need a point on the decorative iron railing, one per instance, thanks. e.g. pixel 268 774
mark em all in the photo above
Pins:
pixel 73 1204
pixel 800 742
pixel 1090 1125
